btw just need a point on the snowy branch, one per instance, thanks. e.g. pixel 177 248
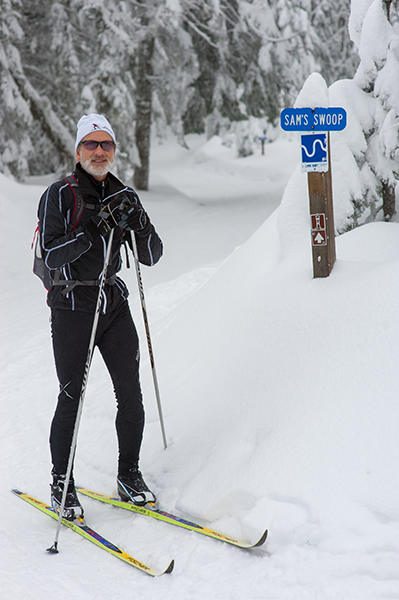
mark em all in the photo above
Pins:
pixel 41 110
pixel 201 33
pixel 285 39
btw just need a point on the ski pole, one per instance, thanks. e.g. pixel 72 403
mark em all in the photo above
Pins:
pixel 147 330
pixel 54 547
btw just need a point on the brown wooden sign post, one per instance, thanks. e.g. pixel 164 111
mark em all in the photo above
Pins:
pixel 316 162
pixel 322 220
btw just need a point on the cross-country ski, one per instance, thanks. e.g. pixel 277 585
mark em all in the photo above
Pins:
pixel 79 526
pixel 166 517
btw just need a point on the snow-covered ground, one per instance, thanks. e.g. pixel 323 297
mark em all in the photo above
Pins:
pixel 279 395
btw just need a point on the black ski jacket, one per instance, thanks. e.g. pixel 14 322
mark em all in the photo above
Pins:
pixel 76 254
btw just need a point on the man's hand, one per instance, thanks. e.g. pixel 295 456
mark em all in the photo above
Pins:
pixel 121 213
pixel 133 218
pixel 102 223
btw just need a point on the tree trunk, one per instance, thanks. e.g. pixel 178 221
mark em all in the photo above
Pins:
pixel 388 201
pixel 143 74
pixel 388 8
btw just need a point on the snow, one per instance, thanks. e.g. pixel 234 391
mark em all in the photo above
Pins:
pixel 376 27
pixel 314 93
pixel 278 390
pixel 359 10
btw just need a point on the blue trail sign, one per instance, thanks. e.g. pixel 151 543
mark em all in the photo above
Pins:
pixel 313 119
pixel 314 148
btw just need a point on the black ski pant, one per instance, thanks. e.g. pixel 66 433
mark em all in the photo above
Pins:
pixel 118 343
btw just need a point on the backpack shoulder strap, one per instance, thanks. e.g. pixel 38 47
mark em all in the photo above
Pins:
pixel 79 202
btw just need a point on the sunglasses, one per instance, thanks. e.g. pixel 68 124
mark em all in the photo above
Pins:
pixel 91 145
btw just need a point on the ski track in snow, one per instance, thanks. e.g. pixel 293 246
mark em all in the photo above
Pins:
pixel 279 395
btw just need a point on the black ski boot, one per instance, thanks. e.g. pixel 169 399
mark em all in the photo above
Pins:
pixel 133 488
pixel 72 509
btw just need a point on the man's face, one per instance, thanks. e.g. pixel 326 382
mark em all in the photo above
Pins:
pixel 96 162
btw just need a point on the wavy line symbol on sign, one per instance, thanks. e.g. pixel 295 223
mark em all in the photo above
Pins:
pixel 314 148
pixel 312 154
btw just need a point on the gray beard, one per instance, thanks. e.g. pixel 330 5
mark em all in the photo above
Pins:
pixel 97 171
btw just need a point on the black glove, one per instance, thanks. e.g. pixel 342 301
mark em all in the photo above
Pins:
pixel 119 212
pixel 102 223
pixel 132 217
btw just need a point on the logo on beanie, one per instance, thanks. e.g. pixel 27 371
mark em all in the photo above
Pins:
pixel 95 126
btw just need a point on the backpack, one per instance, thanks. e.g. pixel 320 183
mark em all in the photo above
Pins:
pixel 39 266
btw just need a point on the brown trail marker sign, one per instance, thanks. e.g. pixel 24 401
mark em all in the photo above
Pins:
pixel 316 162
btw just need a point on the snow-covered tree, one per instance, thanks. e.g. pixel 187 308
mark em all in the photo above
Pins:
pixel 15 116
pixel 35 138
pixel 245 51
pixel 378 75
pixel 254 57
pixel 333 49
pixel 370 144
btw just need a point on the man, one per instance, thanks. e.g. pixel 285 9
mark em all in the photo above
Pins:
pixel 75 256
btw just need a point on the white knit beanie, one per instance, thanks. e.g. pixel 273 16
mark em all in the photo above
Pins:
pixel 91 123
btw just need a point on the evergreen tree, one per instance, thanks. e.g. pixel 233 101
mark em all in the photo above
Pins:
pixel 40 139
pixel 15 117
pixel 254 56
pixel 334 51
pixel 109 38
pixel 372 102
